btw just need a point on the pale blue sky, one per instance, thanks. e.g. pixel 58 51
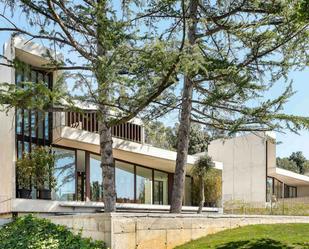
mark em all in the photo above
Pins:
pixel 298 105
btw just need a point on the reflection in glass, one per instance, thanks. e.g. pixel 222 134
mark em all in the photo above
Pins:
pixel 18 78
pixel 40 124
pixel 64 174
pixel 33 126
pixel 188 189
pixel 269 188
pixel 26 123
pixel 160 188
pixel 40 77
pixel 26 147
pixel 19 149
pixel 143 185
pixel 124 182
pixel 19 121
pixel 46 80
pixel 96 182
pixel 33 76
pixel 46 131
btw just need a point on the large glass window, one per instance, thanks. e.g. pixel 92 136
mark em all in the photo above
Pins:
pixel 46 126
pixel 26 122
pixel 269 188
pixel 19 121
pixel 160 185
pixel 40 124
pixel 278 188
pixel 143 185
pixel 65 173
pixel 33 124
pixel 289 191
pixel 96 180
pixel 124 182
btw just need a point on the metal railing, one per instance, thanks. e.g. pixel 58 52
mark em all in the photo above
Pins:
pixel 89 122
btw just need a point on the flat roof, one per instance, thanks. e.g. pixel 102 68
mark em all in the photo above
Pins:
pixel 289 177
pixel 139 153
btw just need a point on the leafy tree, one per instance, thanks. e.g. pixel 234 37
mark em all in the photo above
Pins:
pixel 286 163
pixel 200 170
pixel 118 59
pixel 166 137
pixel 157 134
pixel 238 50
pixel 299 159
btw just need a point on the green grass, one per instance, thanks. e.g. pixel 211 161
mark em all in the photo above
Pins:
pixel 31 232
pixel 256 237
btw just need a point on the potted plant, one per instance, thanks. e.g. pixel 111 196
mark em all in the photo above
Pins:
pixel 24 171
pixel 43 160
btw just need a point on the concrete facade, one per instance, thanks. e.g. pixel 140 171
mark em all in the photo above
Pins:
pixel 159 231
pixel 7 141
pixel 245 159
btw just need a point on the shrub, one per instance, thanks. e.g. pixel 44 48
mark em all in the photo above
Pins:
pixel 31 232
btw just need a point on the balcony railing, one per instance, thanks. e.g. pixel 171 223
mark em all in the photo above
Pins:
pixel 89 122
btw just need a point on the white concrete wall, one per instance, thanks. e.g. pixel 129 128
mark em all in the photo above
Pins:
pixel 159 231
pixel 244 167
pixel 7 141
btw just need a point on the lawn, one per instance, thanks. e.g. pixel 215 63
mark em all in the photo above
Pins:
pixel 256 236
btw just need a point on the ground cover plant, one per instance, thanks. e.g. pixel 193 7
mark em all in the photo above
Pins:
pixel 35 233
pixel 256 236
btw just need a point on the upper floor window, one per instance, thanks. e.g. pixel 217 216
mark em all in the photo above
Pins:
pixel 33 127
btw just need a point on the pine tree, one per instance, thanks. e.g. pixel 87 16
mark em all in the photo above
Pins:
pixel 122 63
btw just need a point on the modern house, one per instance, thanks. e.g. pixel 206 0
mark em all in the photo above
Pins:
pixel 250 173
pixel 144 174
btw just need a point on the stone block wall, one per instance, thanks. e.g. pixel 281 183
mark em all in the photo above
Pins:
pixel 160 231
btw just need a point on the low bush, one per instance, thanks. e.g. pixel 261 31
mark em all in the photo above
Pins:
pixel 35 233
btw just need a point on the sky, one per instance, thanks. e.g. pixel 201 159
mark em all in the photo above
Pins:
pixel 298 105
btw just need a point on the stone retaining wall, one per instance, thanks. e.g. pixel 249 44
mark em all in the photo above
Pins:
pixel 160 231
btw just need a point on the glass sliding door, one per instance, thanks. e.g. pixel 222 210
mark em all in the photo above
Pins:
pixel 160 185
pixel 65 173
pixel 143 185
pixel 124 182
pixel 96 180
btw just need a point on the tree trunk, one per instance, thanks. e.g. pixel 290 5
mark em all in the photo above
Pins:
pixel 184 126
pixel 107 162
pixel 105 131
pixel 202 196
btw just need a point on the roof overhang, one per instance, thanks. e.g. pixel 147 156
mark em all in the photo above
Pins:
pixel 143 154
pixel 289 177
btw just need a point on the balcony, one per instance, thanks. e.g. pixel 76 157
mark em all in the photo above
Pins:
pixel 89 122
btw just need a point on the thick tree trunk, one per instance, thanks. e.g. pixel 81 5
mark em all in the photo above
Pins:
pixel 106 142
pixel 202 196
pixel 184 127
pixel 107 162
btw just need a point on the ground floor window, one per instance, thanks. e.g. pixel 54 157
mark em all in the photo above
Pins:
pixel 79 177
pixel 124 182
pixel 278 189
pixel 96 180
pixel 143 185
pixel 65 174
pixel 160 193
